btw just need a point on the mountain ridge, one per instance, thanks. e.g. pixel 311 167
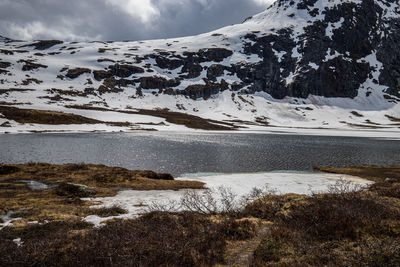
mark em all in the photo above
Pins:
pixel 314 53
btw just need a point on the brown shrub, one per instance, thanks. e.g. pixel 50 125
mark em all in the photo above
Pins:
pixel 7 169
pixel 377 252
pixel 268 207
pixel 75 167
pixel 108 212
pixel 74 190
pixel 387 189
pixel 239 229
pixel 336 216
pixel 156 239
pixel 272 248
pixel 157 176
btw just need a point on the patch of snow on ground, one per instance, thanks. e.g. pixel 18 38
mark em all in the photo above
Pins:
pixel 18 241
pixel 333 26
pixel 7 219
pixel 138 202
pixel 313 65
pixel 35 185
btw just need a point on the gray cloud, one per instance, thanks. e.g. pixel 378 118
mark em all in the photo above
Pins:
pixel 120 19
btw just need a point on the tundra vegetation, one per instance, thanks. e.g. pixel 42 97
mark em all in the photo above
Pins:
pixel 347 226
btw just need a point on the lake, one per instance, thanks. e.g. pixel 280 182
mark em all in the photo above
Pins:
pixel 179 153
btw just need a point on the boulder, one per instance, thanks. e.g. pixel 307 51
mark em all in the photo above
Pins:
pixel 75 73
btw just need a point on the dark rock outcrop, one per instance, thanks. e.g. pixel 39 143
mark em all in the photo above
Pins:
pixel 44 44
pixel 204 91
pixel 330 66
pixel 75 73
pixel 215 71
pixel 4 65
pixel 213 54
pixel 336 50
pixel 124 71
pixel 157 83
pixel 112 85
pixel 100 75
pixel 30 65
pixel 167 63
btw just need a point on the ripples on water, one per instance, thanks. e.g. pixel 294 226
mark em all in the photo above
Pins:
pixel 179 153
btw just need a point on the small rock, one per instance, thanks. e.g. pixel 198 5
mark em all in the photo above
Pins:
pixel 390 180
pixel 5 124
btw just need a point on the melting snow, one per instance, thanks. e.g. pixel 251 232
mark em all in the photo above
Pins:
pixel 7 219
pixel 138 202
pixel 333 26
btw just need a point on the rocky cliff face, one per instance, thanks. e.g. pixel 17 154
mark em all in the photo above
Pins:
pixel 295 48
pixel 339 48
pixel 342 48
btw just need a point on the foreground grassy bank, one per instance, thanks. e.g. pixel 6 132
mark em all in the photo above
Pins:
pixel 47 192
pixel 340 228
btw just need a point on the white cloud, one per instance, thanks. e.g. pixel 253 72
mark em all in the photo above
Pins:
pixel 142 9
pixel 264 2
pixel 120 19
pixel 37 30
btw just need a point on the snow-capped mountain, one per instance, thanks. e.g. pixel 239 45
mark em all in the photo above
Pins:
pixel 313 63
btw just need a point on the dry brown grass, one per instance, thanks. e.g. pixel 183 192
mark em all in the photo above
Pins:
pixel 51 117
pixel 373 173
pixel 189 121
pixel 108 212
pixel 179 118
pixel 44 116
pixel 156 239
pixel 96 176
pixel 340 228
pixel 62 202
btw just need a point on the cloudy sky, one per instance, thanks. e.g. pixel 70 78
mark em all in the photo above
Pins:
pixel 120 19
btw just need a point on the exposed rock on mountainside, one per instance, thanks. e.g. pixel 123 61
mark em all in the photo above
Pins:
pixel 320 53
pixel 43 45
pixel 326 48
pixel 4 39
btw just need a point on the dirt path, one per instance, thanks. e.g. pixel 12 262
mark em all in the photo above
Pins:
pixel 240 253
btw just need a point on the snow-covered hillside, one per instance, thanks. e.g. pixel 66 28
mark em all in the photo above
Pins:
pixel 300 64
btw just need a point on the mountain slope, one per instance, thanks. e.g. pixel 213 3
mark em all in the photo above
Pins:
pixel 314 63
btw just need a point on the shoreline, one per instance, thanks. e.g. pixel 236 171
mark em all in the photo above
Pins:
pixel 86 119
pixel 377 134
pixel 100 186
